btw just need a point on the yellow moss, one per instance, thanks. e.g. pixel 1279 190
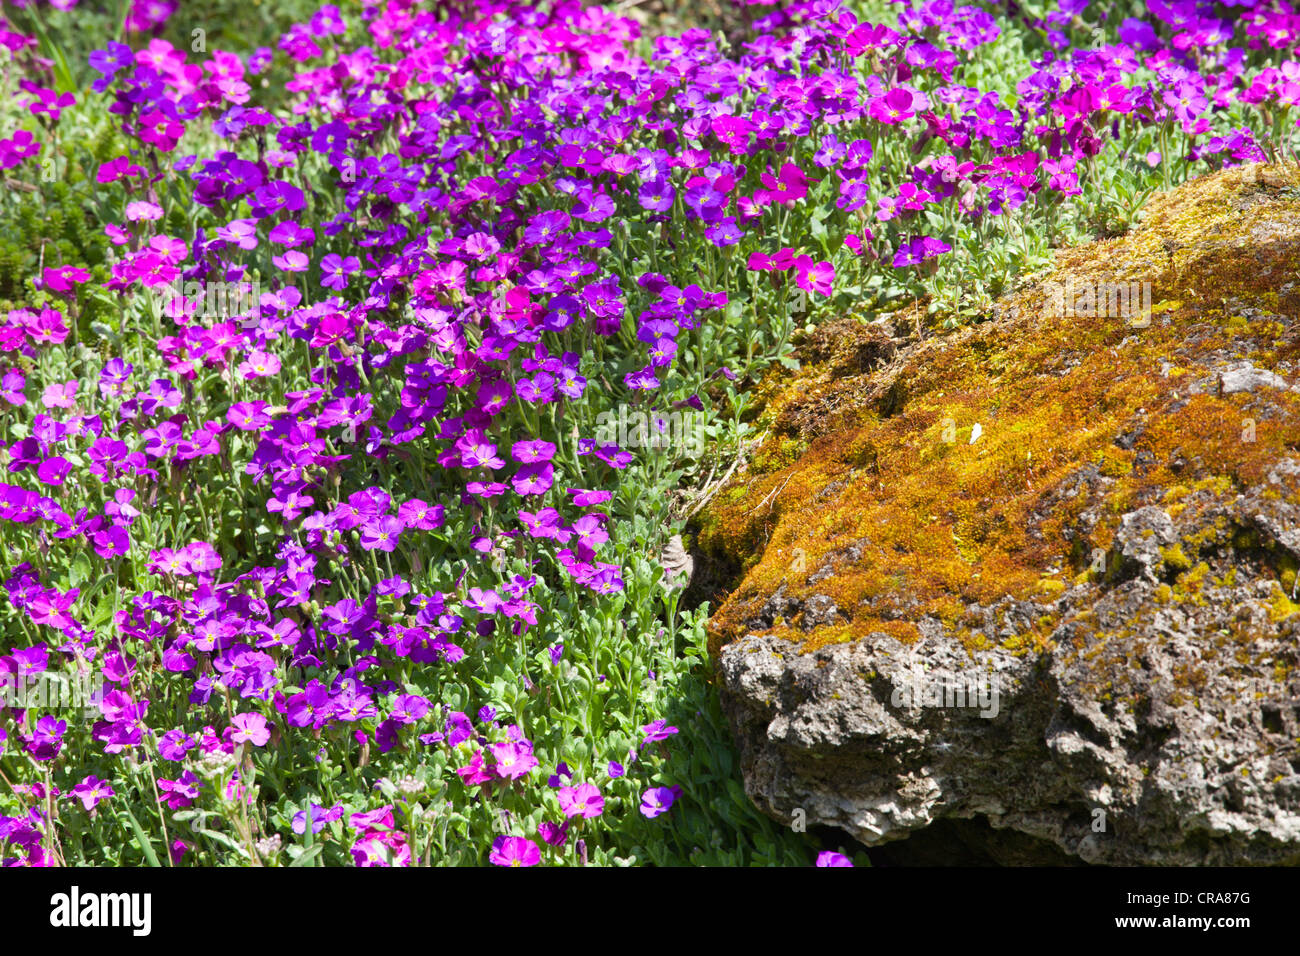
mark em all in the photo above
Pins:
pixel 1175 558
pixel 1051 586
pixel 899 518
pixel 1280 606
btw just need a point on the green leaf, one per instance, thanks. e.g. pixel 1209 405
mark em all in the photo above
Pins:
pixel 224 839
pixel 308 856
pixel 63 81
pixel 143 841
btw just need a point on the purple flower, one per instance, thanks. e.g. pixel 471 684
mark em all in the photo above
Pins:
pixel 175 744
pixel 335 270
pixel 657 731
pixel 91 791
pixel 47 740
pixel 546 227
pixel 319 817
pixel 381 533
pixel 657 195
pixel 658 800
pixel 179 794
pixel 918 250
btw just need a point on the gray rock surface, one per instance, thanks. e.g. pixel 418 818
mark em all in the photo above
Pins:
pixel 1167 735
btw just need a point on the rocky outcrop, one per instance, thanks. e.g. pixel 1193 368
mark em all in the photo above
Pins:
pixel 1039 576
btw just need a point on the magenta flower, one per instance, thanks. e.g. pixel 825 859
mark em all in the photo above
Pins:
pixel 814 277
pixel 894 107
pixel 54 470
pixel 63 278
pixel 831 858
pixel 514 851
pixel 532 451
pixel 791 185
pixel 242 233
pixel 21 146
pixel 115 169
pixel 248 416
pixel 160 130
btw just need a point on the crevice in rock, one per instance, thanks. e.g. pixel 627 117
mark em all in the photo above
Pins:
pixel 972 842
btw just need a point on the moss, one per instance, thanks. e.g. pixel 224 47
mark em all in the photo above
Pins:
pixel 899 518
pixel 1280 606
pixel 1175 558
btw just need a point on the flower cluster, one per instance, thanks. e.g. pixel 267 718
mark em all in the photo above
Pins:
pixel 305 533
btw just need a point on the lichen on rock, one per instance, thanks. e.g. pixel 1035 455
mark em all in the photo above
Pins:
pixel 1098 512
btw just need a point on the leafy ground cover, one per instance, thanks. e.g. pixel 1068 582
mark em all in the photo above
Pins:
pixel 362 363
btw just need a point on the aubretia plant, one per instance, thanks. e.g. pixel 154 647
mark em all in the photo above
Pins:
pixel 305 459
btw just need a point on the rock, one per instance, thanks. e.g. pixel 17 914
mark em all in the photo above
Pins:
pixel 1244 377
pixel 1076 639
pixel 677 563
pixel 1142 536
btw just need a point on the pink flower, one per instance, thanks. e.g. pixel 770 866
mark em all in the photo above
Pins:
pixel 512 760
pixel 159 129
pixel 135 211
pixel 250 727
pixel 812 277
pixel 60 395
pixel 583 800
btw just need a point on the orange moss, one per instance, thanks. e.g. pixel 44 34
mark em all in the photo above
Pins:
pixel 895 515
